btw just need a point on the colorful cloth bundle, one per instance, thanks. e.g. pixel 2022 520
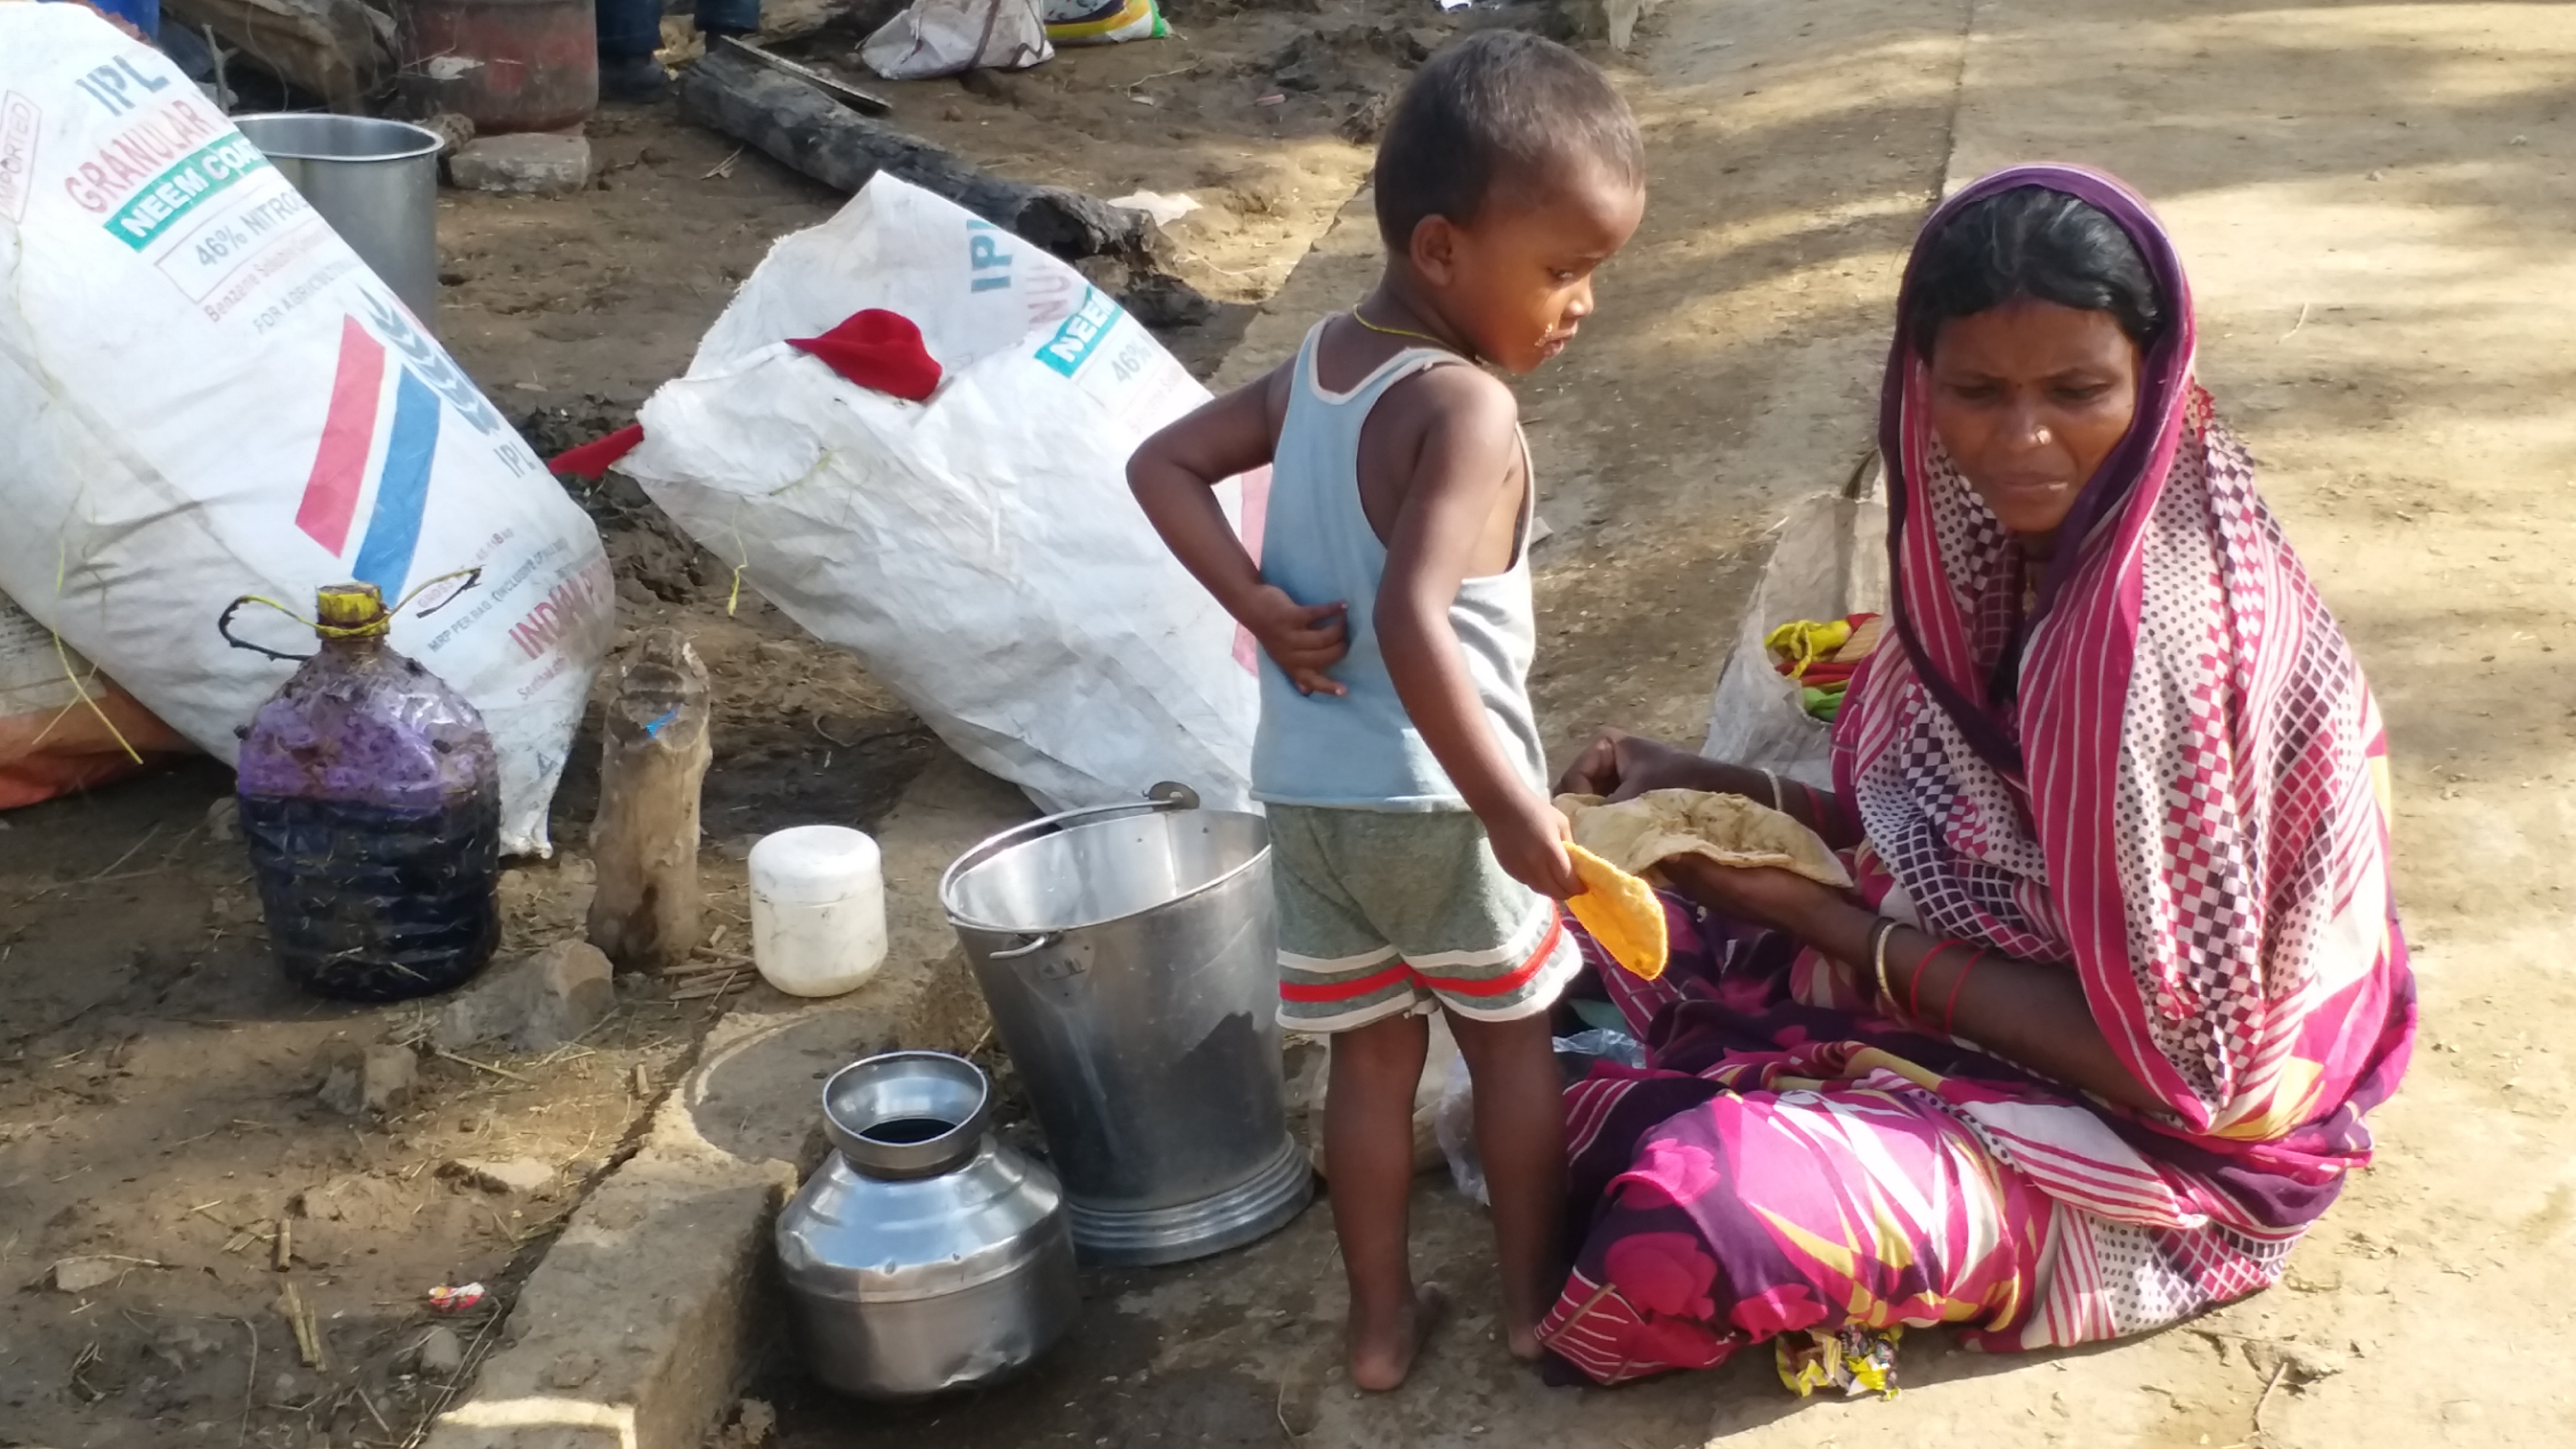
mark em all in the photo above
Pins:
pixel 1822 657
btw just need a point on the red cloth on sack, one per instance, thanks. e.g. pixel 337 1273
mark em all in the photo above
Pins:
pixel 877 349
pixel 594 458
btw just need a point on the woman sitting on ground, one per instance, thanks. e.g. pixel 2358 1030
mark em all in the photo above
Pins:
pixel 2089 1046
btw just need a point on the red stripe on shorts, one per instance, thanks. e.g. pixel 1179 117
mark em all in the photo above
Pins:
pixel 1377 980
pixel 1505 985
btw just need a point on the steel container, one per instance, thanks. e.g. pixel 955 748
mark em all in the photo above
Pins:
pixel 1128 954
pixel 923 1255
pixel 375 182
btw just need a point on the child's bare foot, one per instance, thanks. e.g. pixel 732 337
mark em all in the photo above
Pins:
pixel 1383 1353
pixel 1523 1341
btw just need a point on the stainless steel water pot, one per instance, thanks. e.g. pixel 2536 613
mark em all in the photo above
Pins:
pixel 923 1255
pixel 1129 955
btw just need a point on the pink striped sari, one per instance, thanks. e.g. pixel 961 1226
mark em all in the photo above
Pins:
pixel 2180 794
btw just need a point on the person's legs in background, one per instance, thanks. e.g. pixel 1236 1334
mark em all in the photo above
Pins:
pixel 728 17
pixel 629 32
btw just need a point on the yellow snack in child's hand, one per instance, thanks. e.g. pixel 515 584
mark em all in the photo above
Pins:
pixel 1621 912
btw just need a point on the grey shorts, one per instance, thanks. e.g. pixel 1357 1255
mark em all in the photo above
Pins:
pixel 1387 912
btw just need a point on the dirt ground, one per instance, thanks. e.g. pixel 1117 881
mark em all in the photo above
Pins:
pixel 2374 200
pixel 157 1108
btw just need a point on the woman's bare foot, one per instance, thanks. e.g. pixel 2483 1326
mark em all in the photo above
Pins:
pixel 1524 1342
pixel 1382 1353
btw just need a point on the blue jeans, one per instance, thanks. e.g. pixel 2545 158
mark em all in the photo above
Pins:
pixel 145 15
pixel 632 28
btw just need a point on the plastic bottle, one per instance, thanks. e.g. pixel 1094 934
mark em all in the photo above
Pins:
pixel 649 912
pixel 818 924
pixel 371 803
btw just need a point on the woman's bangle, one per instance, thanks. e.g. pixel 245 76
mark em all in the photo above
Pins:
pixel 1775 790
pixel 1950 1008
pixel 1914 982
pixel 1878 960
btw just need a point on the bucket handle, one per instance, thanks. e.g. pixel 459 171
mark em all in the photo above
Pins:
pixel 1164 795
pixel 1030 947
pixel 1168 795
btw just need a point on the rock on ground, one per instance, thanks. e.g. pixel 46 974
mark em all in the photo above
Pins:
pixel 501 1174
pixel 535 1004
pixel 80 1275
pixel 751 1427
pixel 439 1354
pixel 532 164
pixel 358 1079
pixel 360 1201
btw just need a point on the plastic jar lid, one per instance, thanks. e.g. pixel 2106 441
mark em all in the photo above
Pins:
pixel 814 865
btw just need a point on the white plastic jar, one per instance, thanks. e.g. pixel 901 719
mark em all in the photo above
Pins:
pixel 818 923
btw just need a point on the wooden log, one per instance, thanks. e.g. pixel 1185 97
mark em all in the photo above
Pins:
pixel 648 911
pixel 802 127
pixel 340 50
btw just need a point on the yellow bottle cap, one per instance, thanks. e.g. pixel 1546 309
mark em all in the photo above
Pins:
pixel 351 611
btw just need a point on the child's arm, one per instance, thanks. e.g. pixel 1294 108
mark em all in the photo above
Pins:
pixel 1469 452
pixel 1172 475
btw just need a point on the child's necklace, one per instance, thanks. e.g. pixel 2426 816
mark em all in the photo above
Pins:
pixel 1399 331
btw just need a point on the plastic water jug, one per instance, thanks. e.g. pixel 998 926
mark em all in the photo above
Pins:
pixel 818 923
pixel 371 802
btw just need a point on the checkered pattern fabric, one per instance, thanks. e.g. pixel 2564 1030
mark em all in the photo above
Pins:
pixel 2195 802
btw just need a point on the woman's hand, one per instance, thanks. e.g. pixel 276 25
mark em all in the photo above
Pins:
pixel 1622 766
pixel 1764 895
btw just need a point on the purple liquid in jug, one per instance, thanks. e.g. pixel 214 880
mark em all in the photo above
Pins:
pixel 371 801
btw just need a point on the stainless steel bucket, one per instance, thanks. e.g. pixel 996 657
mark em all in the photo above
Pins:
pixel 923 1255
pixel 1128 953
pixel 375 182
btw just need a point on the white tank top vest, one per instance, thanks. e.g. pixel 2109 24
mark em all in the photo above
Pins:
pixel 1360 750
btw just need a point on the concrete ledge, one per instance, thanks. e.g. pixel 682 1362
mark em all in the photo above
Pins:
pixel 635 1331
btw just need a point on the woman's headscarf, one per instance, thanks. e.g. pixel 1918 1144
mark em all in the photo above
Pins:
pixel 2180 790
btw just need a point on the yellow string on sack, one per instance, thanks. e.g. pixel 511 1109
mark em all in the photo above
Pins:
pixel 71 676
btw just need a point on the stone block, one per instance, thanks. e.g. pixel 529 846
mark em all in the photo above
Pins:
pixel 537 163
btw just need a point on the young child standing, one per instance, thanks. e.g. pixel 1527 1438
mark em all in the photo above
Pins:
pixel 1416 856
